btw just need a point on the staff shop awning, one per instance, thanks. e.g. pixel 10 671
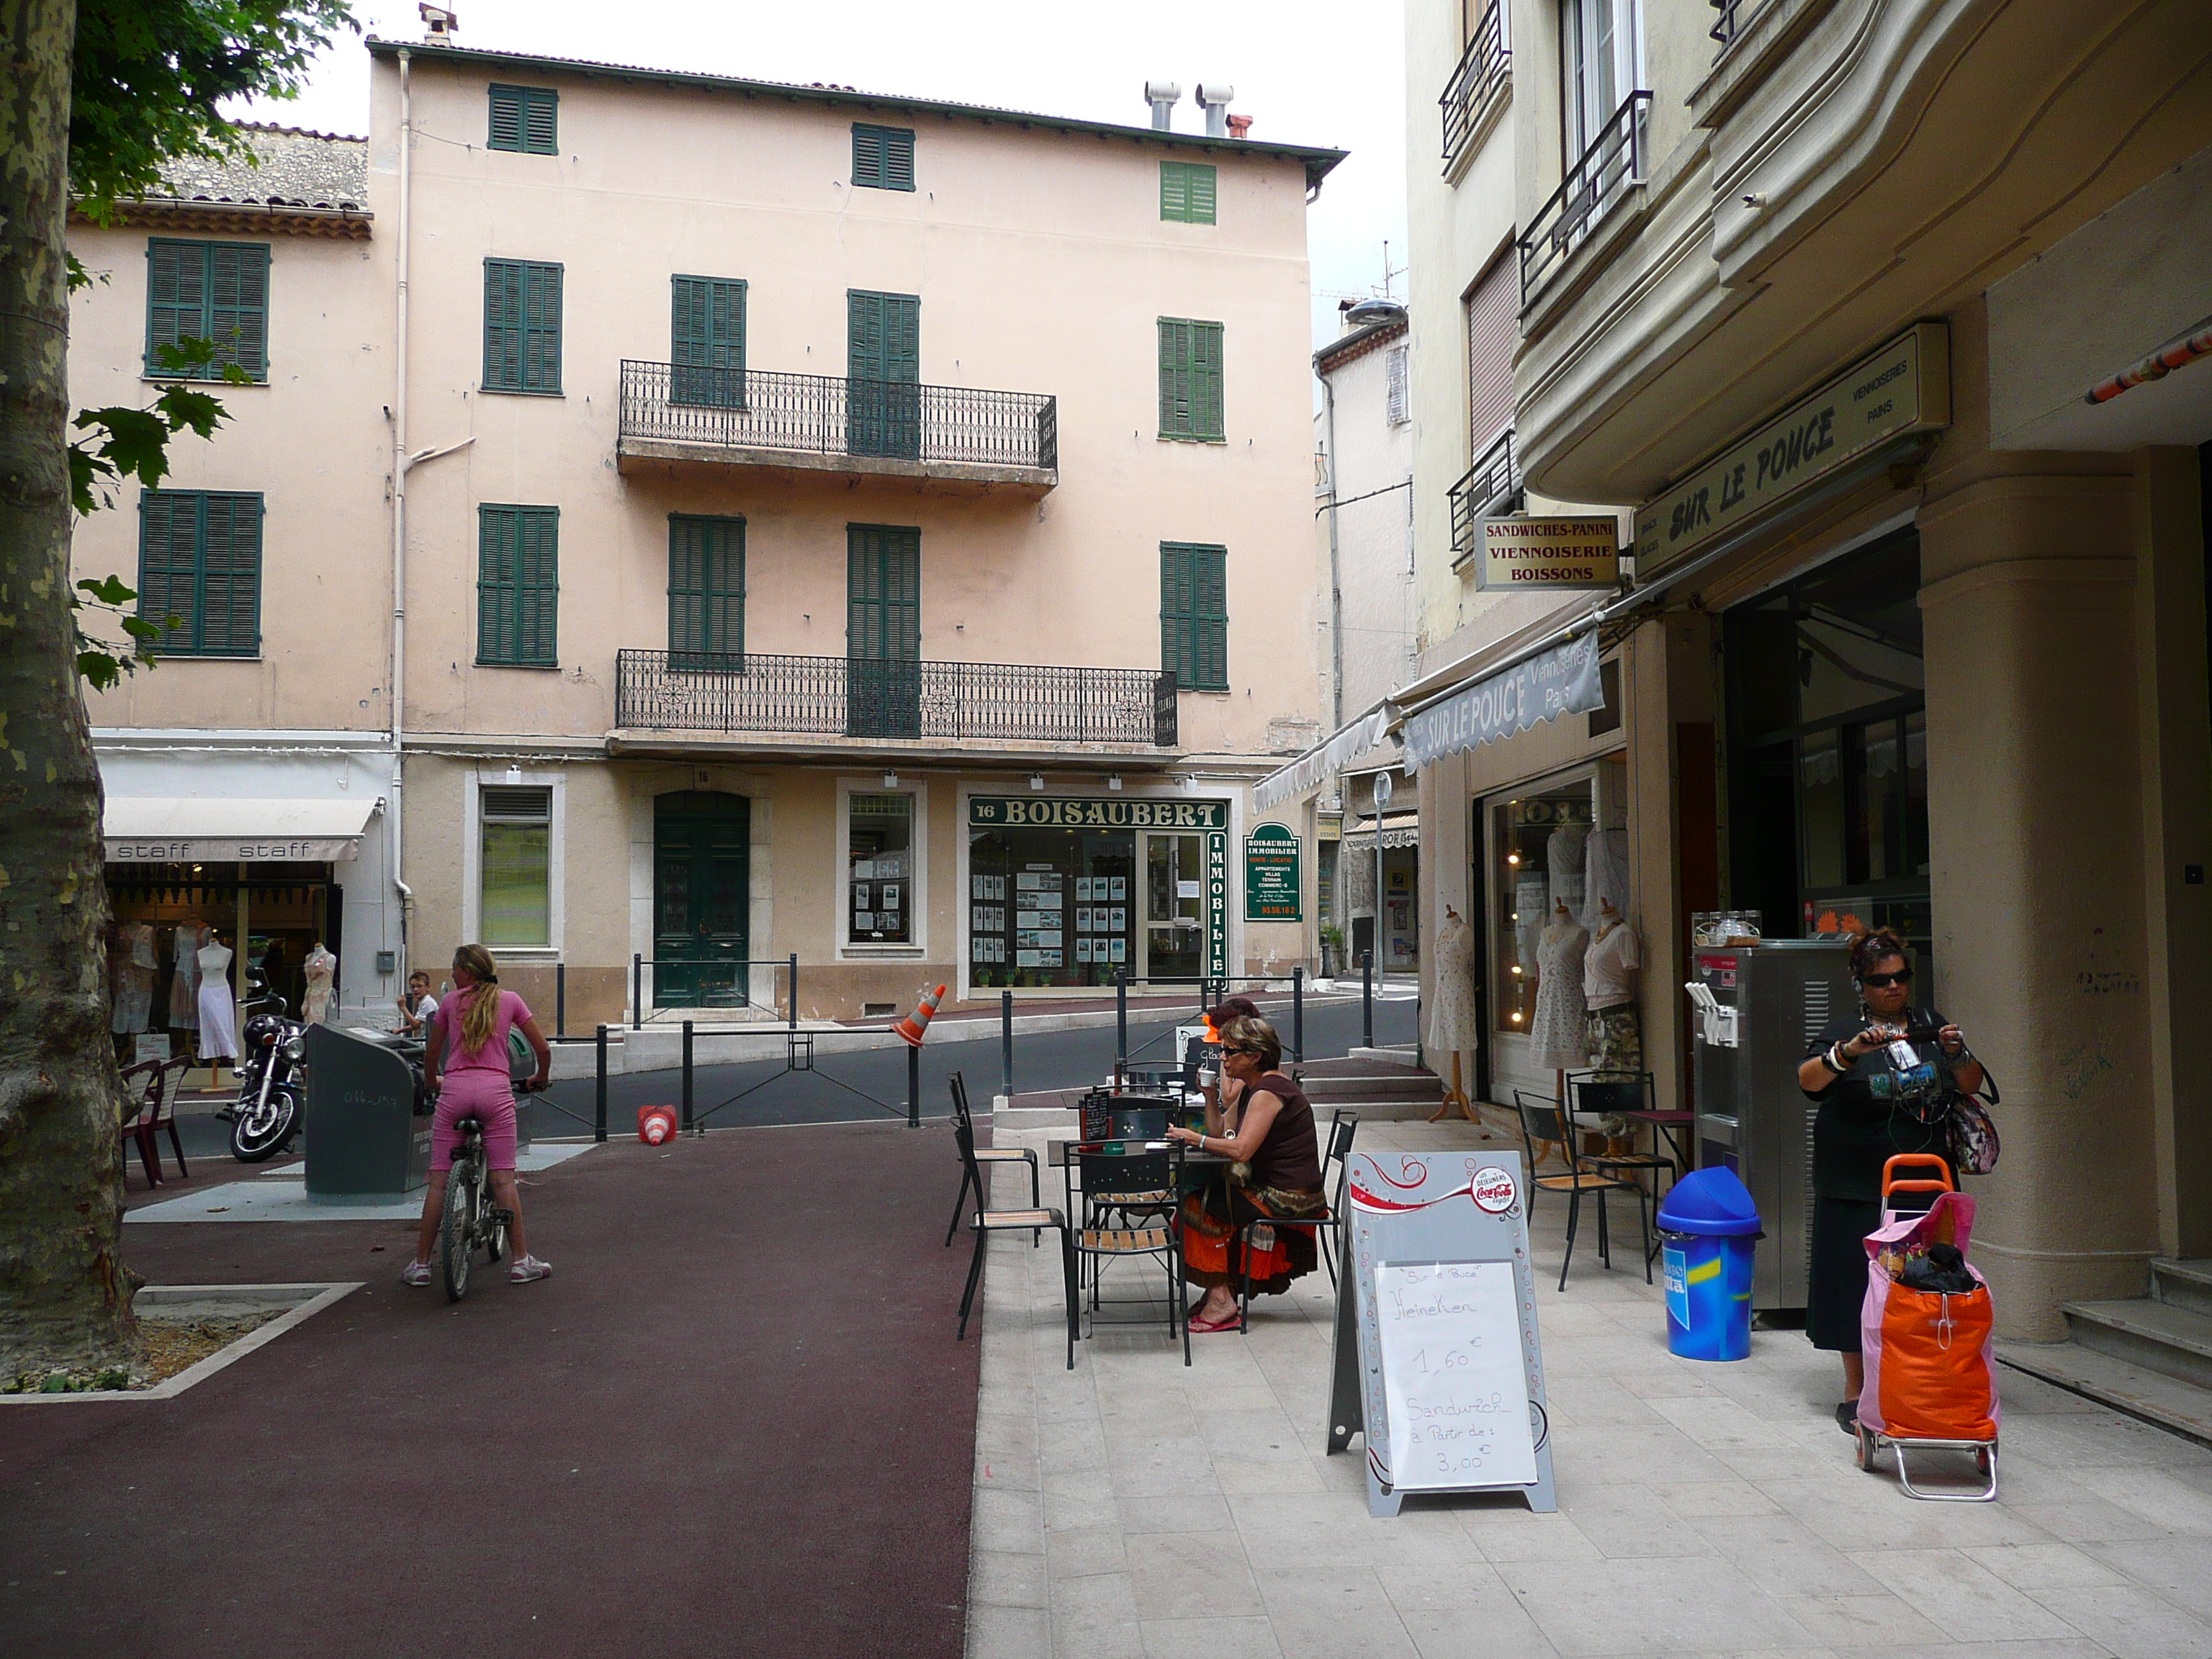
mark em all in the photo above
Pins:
pixel 232 830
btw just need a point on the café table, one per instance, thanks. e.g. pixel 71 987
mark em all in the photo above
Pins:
pixel 1676 1127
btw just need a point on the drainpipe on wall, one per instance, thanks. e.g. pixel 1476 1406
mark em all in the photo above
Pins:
pixel 399 691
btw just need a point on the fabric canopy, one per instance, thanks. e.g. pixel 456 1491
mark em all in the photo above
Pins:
pixel 1310 767
pixel 224 830
pixel 1561 681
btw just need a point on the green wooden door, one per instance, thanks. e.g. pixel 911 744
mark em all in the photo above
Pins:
pixel 883 370
pixel 702 854
pixel 883 631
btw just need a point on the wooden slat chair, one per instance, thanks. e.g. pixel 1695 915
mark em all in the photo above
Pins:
pixel 1544 1119
pixel 1097 1176
pixel 1592 1094
pixel 976 1158
pixel 985 1222
pixel 150 1106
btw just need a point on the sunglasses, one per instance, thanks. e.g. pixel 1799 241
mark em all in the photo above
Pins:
pixel 1882 981
pixel 1228 1048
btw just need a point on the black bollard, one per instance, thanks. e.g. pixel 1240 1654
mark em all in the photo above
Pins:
pixel 1298 1013
pixel 637 990
pixel 560 999
pixel 1121 1024
pixel 794 990
pixel 687 1074
pixel 1007 1042
pixel 599 1117
pixel 1367 999
pixel 913 1085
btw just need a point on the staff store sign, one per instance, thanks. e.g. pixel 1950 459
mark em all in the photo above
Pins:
pixel 1521 555
pixel 1059 813
pixel 1905 387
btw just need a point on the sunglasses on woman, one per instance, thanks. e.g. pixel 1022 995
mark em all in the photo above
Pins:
pixel 1882 981
pixel 1228 1049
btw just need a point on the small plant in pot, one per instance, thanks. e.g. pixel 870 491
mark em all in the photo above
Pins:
pixel 1332 954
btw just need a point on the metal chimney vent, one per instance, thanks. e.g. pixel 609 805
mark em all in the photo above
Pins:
pixel 1163 97
pixel 1216 98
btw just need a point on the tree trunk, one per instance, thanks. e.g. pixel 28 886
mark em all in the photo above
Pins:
pixel 64 1293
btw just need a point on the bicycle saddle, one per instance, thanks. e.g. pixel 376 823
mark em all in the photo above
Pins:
pixel 470 1124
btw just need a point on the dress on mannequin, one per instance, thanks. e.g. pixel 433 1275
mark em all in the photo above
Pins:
pixel 1563 868
pixel 1605 874
pixel 1616 1029
pixel 136 964
pixel 218 1008
pixel 1454 1024
pixel 320 967
pixel 1557 1035
pixel 185 982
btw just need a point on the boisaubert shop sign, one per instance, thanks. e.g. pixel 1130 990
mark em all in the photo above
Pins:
pixel 1905 387
pixel 1521 555
pixel 1069 812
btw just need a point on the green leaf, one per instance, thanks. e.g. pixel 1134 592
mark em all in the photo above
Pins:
pixel 109 590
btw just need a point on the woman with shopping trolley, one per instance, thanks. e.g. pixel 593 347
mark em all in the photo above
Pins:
pixel 1859 1130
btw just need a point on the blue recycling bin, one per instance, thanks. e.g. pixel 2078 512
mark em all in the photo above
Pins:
pixel 1708 1229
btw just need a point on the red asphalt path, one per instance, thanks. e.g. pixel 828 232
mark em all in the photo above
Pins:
pixel 733 1422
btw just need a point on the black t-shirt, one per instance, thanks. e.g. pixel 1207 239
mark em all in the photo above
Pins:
pixel 1856 1134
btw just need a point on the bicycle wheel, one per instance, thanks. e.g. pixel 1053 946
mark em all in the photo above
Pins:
pixel 493 1228
pixel 455 1242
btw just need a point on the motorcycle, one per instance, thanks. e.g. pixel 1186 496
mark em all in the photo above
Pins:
pixel 272 1082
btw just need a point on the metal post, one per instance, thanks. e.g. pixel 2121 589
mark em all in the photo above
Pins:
pixel 1007 1042
pixel 600 1115
pixel 913 1085
pixel 1298 1013
pixel 794 990
pixel 637 990
pixel 687 1075
pixel 1367 998
pixel 1121 1023
pixel 560 999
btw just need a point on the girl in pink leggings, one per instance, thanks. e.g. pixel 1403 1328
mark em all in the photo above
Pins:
pixel 467 1046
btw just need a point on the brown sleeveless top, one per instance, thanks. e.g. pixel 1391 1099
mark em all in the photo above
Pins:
pixel 1289 1158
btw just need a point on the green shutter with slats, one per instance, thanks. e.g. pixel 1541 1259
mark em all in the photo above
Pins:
pixel 1194 615
pixel 707 342
pixel 882 630
pixel 525 118
pixel 1190 378
pixel 213 291
pixel 522 326
pixel 1186 192
pixel 518 586
pixel 882 365
pixel 882 157
pixel 706 591
pixel 200 562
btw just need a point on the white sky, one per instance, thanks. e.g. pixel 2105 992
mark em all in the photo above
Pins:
pixel 1308 74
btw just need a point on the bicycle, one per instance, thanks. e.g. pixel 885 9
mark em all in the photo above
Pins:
pixel 471 1218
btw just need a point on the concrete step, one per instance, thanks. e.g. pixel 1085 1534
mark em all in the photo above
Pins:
pixel 2182 1284
pixel 1405 1085
pixel 2150 1396
pixel 2152 1335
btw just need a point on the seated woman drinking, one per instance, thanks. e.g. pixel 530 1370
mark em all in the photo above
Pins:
pixel 1274 1173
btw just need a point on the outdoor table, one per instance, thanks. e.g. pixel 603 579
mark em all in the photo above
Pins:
pixel 1676 1126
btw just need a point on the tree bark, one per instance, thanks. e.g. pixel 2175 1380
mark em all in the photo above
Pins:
pixel 64 1292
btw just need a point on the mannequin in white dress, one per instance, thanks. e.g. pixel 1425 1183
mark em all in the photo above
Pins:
pixel 1557 1035
pixel 1453 1021
pixel 320 969
pixel 218 1007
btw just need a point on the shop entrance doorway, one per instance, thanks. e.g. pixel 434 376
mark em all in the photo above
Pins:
pixel 702 854
pixel 1175 906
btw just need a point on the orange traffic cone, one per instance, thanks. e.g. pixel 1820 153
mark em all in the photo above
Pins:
pixel 916 1022
pixel 656 1124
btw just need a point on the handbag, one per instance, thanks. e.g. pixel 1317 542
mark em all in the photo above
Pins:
pixel 1974 1141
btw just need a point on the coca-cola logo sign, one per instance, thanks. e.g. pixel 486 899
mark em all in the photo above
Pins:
pixel 1494 1190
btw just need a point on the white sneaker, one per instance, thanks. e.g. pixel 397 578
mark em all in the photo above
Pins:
pixel 415 1272
pixel 527 1268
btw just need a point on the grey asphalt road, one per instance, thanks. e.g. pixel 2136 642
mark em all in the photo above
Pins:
pixel 857 1086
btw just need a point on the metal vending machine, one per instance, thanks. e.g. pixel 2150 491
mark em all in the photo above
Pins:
pixel 1757 1004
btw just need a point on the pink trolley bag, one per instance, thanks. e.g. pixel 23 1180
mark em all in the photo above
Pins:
pixel 1926 1329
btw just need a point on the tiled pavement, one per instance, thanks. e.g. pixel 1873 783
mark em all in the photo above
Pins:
pixel 1131 1508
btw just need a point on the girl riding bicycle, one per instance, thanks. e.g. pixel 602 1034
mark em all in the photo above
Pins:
pixel 470 1026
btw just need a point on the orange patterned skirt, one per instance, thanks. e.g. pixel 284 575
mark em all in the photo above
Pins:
pixel 1213 1227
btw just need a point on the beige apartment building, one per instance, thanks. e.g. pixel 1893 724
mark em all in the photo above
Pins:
pixel 827 525
pixel 1880 317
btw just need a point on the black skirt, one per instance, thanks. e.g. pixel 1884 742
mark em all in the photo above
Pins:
pixel 1838 1283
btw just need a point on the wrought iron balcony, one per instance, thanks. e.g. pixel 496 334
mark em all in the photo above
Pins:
pixel 1491 487
pixel 819 423
pixel 865 697
pixel 1735 16
pixel 1600 176
pixel 1484 70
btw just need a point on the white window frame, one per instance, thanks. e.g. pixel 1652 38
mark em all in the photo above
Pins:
pixel 474 782
pixel 848 949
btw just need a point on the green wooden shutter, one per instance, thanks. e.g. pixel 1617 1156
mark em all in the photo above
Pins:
pixel 1187 191
pixel 230 565
pixel 1174 377
pixel 518 586
pixel 169 576
pixel 1175 612
pixel 1194 615
pixel 706 591
pixel 1199 210
pixel 238 306
pixel 706 341
pixel 176 296
pixel 882 365
pixel 522 326
pixel 1206 393
pixel 525 118
pixel 883 593
pixel 882 157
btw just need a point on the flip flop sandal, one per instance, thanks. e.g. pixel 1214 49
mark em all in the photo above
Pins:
pixel 1208 1326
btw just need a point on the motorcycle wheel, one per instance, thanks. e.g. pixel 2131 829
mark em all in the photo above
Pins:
pixel 455 1246
pixel 260 1129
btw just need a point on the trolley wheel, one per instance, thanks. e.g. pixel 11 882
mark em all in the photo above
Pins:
pixel 1866 1452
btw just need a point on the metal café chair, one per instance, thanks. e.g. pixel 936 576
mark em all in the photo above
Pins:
pixel 985 1222
pixel 977 1158
pixel 1101 1177
pixel 1615 1094
pixel 1342 1126
pixel 1543 1119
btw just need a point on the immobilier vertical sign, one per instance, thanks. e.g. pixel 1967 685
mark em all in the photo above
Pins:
pixel 1271 875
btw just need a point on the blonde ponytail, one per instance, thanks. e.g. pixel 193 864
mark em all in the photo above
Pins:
pixel 476 1024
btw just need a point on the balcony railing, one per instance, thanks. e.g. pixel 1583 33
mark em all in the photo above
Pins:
pixel 1484 67
pixel 1734 17
pixel 1612 167
pixel 863 697
pixel 1491 487
pixel 741 409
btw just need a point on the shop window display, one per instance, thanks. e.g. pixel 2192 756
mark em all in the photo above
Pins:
pixel 1053 907
pixel 1540 847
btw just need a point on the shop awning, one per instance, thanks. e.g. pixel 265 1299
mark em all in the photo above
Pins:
pixel 232 830
pixel 1347 744
pixel 1563 680
pixel 1399 829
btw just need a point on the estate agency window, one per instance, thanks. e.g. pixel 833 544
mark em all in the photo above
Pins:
pixel 880 896
pixel 1068 892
